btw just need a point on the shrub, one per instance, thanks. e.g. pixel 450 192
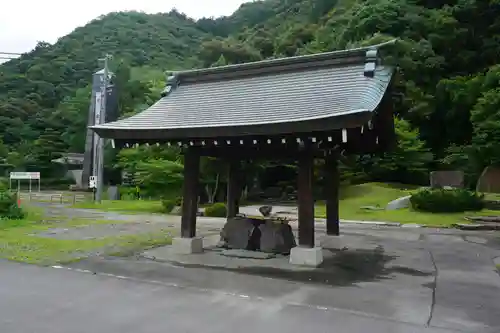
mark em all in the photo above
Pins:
pixel 9 208
pixel 52 183
pixel 446 200
pixel 128 192
pixel 4 185
pixel 167 205
pixel 218 209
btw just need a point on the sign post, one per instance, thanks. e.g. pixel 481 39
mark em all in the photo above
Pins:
pixel 24 176
pixel 93 184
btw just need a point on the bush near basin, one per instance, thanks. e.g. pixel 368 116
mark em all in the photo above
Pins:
pixel 218 209
pixel 447 200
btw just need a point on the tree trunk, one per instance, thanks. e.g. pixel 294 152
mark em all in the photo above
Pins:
pixel 212 193
pixel 216 189
pixel 244 193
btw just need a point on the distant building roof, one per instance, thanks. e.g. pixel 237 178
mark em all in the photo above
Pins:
pixel 317 92
pixel 70 158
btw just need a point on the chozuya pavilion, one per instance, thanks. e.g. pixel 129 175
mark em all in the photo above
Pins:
pixel 304 107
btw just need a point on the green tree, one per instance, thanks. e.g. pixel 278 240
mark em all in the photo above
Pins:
pixel 486 123
pixel 446 56
pixel 72 113
pixel 478 98
pixel 4 151
pixel 48 147
pixel 138 161
pixel 160 177
pixel 4 164
pixel 408 161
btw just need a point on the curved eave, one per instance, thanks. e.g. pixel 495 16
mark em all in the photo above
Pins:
pixel 335 122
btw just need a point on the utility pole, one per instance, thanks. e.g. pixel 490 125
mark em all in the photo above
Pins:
pixel 100 141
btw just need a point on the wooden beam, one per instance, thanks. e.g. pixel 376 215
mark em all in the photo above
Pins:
pixel 384 124
pixel 305 200
pixel 357 140
pixel 347 120
pixel 331 189
pixel 361 139
pixel 190 197
pixel 233 188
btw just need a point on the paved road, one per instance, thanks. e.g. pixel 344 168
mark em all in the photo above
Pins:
pixel 390 280
pixel 48 300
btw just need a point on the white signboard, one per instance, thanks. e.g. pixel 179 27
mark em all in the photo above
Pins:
pixel 25 175
pixel 92 182
pixel 97 112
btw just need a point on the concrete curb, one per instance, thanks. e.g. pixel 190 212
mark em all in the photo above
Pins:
pixel 391 224
pixel 379 223
pixel 461 226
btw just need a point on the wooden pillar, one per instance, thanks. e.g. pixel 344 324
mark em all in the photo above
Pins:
pixel 331 190
pixel 190 196
pixel 233 188
pixel 306 201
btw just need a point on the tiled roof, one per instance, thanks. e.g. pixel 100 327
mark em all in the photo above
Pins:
pixel 287 90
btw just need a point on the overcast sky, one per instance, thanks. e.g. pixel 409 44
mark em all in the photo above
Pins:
pixel 25 22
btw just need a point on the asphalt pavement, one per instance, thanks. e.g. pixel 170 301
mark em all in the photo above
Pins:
pixel 49 300
pixel 389 280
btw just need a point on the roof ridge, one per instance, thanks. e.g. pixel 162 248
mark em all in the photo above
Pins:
pixel 341 56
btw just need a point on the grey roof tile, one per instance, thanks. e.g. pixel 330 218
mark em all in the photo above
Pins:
pixel 277 98
pixel 247 98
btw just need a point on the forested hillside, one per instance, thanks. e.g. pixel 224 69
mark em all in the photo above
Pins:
pixel 45 94
pixel 448 89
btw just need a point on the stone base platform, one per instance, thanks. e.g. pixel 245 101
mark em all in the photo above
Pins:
pixel 213 257
pixel 306 256
pixel 187 245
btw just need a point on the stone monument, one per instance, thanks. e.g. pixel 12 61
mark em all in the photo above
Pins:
pixel 113 193
pixel 110 114
pixel 441 179
pixel 489 181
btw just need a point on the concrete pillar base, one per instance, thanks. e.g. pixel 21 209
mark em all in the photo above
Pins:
pixel 306 256
pixel 187 245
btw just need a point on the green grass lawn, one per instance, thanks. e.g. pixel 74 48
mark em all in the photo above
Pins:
pixel 126 206
pixel 353 198
pixel 18 241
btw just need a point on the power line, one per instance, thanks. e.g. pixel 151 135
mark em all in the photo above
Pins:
pixel 11 53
